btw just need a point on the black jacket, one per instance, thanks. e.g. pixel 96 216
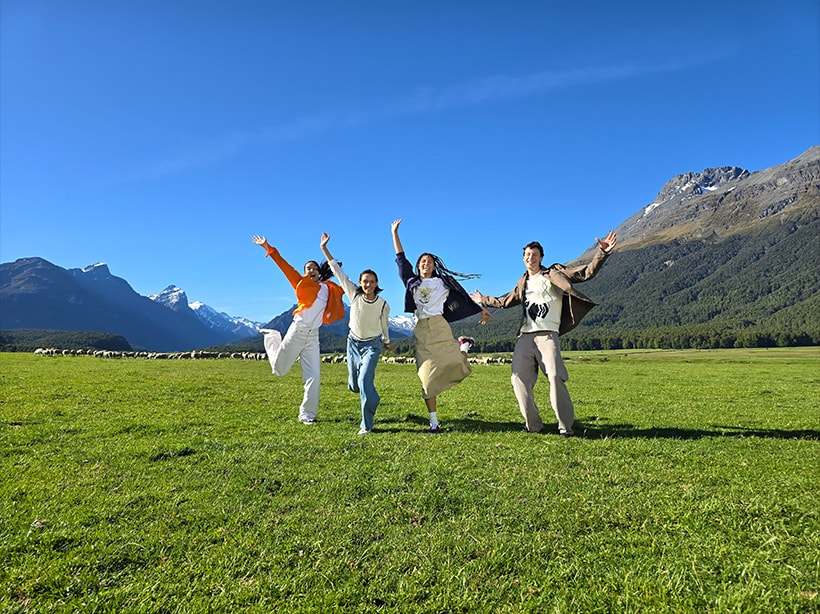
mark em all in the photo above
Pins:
pixel 458 305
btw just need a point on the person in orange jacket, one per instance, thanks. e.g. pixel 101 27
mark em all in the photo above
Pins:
pixel 318 301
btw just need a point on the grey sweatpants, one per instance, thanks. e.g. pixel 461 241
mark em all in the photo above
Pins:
pixel 534 351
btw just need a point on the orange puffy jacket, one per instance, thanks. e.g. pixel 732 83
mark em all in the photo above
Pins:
pixel 307 290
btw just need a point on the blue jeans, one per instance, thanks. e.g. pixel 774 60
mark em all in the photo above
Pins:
pixel 362 358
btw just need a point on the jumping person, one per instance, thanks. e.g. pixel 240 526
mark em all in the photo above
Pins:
pixel 435 296
pixel 369 315
pixel 318 301
pixel 551 307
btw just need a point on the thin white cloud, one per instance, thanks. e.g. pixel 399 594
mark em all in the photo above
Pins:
pixel 194 155
pixel 504 87
pixel 426 99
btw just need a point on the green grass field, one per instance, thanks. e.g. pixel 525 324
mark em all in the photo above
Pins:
pixel 189 486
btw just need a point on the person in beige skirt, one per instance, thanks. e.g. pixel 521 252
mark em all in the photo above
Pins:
pixel 436 298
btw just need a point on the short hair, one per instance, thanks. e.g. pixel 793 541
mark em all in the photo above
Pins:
pixel 534 245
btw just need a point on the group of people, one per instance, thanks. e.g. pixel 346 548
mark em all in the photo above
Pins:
pixel 551 306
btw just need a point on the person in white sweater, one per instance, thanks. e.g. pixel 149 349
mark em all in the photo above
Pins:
pixel 369 315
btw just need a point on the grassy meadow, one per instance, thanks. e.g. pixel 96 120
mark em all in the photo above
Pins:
pixel 189 486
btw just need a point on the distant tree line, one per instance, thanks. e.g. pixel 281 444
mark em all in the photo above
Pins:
pixel 29 339
pixel 712 335
pixel 692 336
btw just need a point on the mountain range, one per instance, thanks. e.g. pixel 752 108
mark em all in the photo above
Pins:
pixel 36 294
pixel 720 253
pixel 231 327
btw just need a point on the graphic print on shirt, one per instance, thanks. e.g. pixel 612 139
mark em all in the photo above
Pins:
pixel 537 310
pixel 539 287
pixel 423 295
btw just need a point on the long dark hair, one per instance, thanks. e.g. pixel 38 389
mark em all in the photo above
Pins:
pixel 324 269
pixel 441 269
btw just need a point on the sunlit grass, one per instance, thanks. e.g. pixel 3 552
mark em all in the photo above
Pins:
pixel 135 485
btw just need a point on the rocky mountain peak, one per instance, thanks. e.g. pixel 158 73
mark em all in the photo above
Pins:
pixel 172 297
pixel 718 202
pixel 98 271
pixel 694 184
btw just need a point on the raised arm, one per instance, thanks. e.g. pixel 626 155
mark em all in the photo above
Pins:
pixel 292 274
pixel 347 284
pixel 323 245
pixel 608 244
pixel 394 228
pixel 588 271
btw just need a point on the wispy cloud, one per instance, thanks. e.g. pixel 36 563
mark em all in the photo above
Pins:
pixel 504 87
pixel 424 100
pixel 197 154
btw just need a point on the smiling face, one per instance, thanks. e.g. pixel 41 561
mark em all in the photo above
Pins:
pixel 426 266
pixel 369 283
pixel 312 270
pixel 532 259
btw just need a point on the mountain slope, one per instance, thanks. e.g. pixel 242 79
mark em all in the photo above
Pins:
pixel 229 327
pixel 719 250
pixel 718 203
pixel 37 294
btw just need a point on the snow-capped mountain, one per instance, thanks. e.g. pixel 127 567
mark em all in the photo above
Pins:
pixel 232 327
pixel 402 325
pixel 236 327
pixel 172 297
pixel 241 327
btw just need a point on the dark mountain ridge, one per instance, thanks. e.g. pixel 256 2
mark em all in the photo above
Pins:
pixel 36 294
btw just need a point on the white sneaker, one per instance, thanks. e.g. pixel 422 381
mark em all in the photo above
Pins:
pixel 465 344
pixel 307 421
pixel 363 432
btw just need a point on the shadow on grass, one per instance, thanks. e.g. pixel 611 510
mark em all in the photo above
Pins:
pixel 611 431
pixel 413 423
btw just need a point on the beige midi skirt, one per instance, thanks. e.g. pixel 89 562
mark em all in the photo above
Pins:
pixel 439 362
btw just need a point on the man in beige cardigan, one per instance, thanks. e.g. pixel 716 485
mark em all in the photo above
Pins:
pixel 550 307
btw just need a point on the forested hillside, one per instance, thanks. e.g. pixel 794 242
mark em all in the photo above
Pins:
pixel 28 340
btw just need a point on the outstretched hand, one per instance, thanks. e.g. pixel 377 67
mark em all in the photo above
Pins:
pixel 394 227
pixel 325 238
pixel 608 244
pixel 485 317
pixel 259 240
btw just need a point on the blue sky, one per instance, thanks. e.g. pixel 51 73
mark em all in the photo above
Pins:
pixel 159 136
